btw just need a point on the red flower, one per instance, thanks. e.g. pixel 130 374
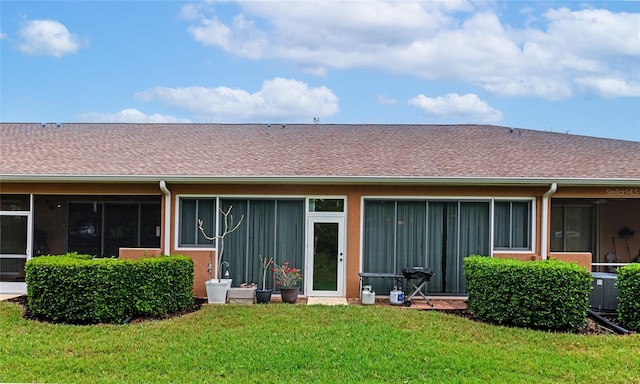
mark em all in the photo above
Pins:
pixel 286 276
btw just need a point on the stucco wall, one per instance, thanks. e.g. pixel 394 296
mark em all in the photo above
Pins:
pixel 580 258
pixel 618 215
pixel 517 256
pixel 138 253
pixel 354 194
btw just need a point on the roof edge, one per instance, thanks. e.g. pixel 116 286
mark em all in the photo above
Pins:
pixel 201 179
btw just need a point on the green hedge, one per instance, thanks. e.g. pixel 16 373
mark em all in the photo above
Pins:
pixel 78 289
pixel 628 283
pixel 543 295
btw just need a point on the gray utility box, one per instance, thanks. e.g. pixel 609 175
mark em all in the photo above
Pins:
pixel 604 294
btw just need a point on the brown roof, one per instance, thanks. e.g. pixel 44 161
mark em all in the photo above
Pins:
pixel 354 152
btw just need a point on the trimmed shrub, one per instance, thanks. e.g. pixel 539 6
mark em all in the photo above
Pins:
pixel 628 283
pixel 76 255
pixel 547 294
pixel 74 289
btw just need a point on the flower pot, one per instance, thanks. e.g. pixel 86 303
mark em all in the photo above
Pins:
pixel 289 295
pixel 217 290
pixel 263 296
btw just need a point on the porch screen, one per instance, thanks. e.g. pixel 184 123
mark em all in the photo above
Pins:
pixel 434 234
pixel 572 228
pixel 271 228
pixel 102 228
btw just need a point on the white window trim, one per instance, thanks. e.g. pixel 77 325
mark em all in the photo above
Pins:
pixel 177 217
pixel 308 199
pixel 532 228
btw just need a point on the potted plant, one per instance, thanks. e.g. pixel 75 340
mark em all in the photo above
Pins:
pixel 217 288
pixel 263 296
pixel 287 279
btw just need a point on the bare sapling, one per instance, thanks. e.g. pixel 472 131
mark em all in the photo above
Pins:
pixel 229 227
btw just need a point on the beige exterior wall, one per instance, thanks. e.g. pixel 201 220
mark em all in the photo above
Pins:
pixel 617 198
pixel 354 195
pixel 518 256
pixel 580 258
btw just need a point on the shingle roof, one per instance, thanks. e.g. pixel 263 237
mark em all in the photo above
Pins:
pixel 315 150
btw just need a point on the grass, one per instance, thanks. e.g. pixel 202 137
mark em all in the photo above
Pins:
pixel 314 344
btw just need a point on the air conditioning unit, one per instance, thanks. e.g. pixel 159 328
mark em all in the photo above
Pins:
pixel 603 296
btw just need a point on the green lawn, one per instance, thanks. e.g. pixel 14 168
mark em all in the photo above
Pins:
pixel 301 344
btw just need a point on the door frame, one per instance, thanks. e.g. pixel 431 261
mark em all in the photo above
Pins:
pixel 20 287
pixel 325 217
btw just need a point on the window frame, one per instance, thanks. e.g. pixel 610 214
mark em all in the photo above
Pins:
pixel 179 211
pixel 530 221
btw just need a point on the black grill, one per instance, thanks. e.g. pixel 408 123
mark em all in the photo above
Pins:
pixel 417 273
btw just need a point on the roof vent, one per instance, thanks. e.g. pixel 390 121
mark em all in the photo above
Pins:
pixel 268 126
pixel 59 125
pixel 284 125
pixel 44 125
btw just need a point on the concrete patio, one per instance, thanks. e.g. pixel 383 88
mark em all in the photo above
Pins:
pixel 447 303
pixel 8 296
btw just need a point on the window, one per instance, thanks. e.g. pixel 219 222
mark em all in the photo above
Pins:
pixel 192 210
pixel 14 202
pixel 512 225
pixel 326 205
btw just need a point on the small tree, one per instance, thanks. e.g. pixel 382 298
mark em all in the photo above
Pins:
pixel 265 265
pixel 229 227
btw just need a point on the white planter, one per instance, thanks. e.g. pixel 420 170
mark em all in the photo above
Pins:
pixel 217 290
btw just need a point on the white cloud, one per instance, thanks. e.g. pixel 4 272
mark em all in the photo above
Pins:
pixel 129 116
pixel 440 41
pixel 321 34
pixel 458 108
pixel 3 35
pixel 610 86
pixel 594 32
pixel 277 99
pixel 47 38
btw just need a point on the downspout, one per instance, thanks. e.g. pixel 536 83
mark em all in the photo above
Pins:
pixel 167 217
pixel 545 220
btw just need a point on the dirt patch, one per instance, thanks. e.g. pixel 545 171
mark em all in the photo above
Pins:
pixel 197 305
pixel 590 328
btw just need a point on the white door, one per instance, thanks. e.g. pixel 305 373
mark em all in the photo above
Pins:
pixel 15 237
pixel 325 256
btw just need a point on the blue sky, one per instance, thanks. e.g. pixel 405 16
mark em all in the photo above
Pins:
pixel 562 66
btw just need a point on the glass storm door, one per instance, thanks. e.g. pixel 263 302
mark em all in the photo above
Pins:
pixel 15 237
pixel 325 256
